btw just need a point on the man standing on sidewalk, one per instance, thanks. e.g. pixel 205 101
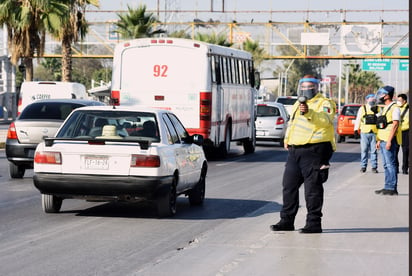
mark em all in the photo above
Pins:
pixel 365 124
pixel 388 138
pixel 310 142
pixel 404 107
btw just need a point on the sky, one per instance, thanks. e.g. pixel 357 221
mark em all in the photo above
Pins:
pixel 287 11
pixel 269 5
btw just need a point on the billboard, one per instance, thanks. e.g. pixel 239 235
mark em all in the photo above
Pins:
pixel 361 39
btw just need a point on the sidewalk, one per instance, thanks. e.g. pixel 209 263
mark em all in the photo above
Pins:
pixel 363 234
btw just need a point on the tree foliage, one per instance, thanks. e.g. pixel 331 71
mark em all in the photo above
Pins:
pixel 299 67
pixel 27 23
pixel 361 83
pixel 257 52
pixel 137 23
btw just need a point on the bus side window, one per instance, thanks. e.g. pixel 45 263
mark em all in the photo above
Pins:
pixel 216 72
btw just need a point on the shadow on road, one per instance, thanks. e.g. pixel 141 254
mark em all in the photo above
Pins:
pixel 213 208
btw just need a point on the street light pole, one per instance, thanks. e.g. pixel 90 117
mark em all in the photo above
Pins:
pixel 286 76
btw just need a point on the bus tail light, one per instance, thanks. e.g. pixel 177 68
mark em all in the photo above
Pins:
pixel 11 132
pixel 48 157
pixel 139 160
pixel 115 97
pixel 205 109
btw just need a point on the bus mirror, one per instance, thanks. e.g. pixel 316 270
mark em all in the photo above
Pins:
pixel 257 80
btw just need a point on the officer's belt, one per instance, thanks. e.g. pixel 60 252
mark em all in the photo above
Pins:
pixel 306 145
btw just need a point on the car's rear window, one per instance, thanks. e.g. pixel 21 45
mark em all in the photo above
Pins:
pixel 286 101
pixel 125 125
pixel 52 111
pixel 267 110
pixel 350 110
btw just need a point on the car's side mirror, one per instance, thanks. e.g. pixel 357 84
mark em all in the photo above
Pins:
pixel 197 139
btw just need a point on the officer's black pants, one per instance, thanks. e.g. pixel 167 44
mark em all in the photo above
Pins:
pixel 303 166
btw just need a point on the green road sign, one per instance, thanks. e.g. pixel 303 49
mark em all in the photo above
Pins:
pixel 404 52
pixel 403 65
pixel 376 64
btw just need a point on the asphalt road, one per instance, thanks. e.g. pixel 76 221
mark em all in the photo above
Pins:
pixel 118 239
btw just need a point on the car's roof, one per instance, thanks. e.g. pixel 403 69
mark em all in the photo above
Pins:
pixel 352 104
pixel 79 101
pixel 272 104
pixel 136 108
pixel 288 97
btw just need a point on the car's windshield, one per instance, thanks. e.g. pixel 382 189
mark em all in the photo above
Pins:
pixel 286 101
pixel 267 110
pixel 350 110
pixel 111 125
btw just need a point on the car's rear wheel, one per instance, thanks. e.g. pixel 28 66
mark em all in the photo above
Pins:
pixel 341 139
pixel 51 203
pixel 16 171
pixel 166 203
pixel 197 194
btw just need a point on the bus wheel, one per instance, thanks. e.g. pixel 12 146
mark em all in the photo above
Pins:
pixel 249 146
pixel 224 147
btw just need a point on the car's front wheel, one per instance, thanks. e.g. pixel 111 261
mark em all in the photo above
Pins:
pixel 16 171
pixel 51 203
pixel 166 203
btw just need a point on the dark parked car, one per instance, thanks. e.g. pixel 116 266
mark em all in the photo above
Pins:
pixel 39 119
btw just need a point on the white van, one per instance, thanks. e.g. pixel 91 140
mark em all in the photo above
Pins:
pixel 38 90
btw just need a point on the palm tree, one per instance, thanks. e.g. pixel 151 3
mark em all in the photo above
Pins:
pixel 361 83
pixel 137 23
pixel 27 23
pixel 213 38
pixel 74 27
pixel 257 52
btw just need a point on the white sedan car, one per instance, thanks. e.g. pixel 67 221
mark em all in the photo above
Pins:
pixel 127 154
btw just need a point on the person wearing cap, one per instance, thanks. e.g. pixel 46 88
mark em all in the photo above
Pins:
pixel 388 138
pixel 404 109
pixel 310 142
pixel 365 124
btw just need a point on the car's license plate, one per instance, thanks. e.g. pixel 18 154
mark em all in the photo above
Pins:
pixel 31 153
pixel 260 133
pixel 95 162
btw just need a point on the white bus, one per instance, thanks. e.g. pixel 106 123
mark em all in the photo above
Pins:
pixel 209 87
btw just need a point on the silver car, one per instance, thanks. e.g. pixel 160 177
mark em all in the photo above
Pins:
pixel 39 119
pixel 271 122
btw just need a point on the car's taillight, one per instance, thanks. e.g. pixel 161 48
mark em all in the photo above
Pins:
pixel 139 160
pixel 280 121
pixel 47 157
pixel 11 132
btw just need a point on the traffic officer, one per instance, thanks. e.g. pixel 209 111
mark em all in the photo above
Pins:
pixel 404 108
pixel 365 124
pixel 388 138
pixel 310 142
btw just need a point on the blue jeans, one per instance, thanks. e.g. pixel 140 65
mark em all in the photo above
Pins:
pixel 368 145
pixel 388 157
